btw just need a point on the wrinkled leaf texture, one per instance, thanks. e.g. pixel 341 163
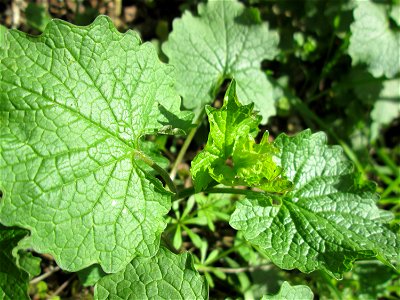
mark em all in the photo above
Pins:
pixel 74 104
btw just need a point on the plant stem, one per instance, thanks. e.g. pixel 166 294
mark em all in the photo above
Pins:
pixel 264 267
pixel 335 292
pixel 185 146
pixel 389 200
pixel 388 161
pixel 387 180
pixel 45 275
pixel 230 191
pixel 211 190
pixel 392 186
pixel 185 193
pixel 164 174
pixel 225 253
pixel 63 286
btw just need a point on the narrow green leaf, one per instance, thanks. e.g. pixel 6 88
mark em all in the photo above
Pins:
pixel 164 276
pixel 193 236
pixel 74 104
pixel 177 241
pixel 212 256
pixel 226 40
pixel 188 207
pixel 221 275
pixel 213 208
pixel 203 251
pixel 209 279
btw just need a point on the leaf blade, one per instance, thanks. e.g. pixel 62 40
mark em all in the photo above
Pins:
pixel 371 37
pixel 75 102
pixel 165 275
pixel 288 292
pixel 232 156
pixel 225 41
pixel 326 222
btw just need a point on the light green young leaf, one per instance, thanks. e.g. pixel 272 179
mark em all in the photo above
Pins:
pixel 326 222
pixel 288 292
pixel 373 42
pixel 13 280
pixel 227 40
pixel 164 276
pixel 231 156
pixel 74 103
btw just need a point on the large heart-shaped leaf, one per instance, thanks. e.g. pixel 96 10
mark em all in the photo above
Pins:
pixel 326 221
pixel 226 40
pixel 373 42
pixel 74 103
pixel 311 213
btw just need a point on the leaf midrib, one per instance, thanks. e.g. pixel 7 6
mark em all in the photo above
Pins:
pixel 76 113
pixel 99 126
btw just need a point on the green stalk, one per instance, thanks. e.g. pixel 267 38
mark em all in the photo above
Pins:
pixel 211 190
pixel 185 193
pixel 203 268
pixel 334 291
pixel 164 174
pixel 225 253
pixel 393 186
pixel 185 146
pixel 388 161
pixel 389 200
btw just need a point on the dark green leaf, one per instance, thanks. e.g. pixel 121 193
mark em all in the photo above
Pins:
pixel 13 280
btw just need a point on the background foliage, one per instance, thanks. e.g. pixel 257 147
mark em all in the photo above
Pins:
pixel 327 75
